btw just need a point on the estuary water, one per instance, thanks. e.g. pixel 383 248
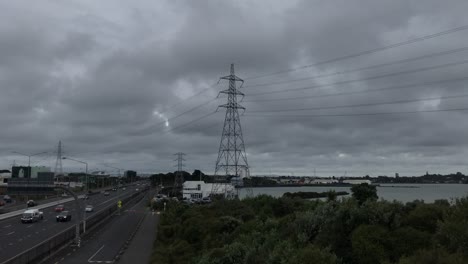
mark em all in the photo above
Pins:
pixel 400 192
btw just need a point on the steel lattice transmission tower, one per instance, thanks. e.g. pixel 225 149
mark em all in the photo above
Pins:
pixel 232 159
pixel 58 164
pixel 179 177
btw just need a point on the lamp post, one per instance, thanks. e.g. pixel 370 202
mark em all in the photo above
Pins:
pixel 86 188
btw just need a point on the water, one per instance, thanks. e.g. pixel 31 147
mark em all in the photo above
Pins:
pixel 400 192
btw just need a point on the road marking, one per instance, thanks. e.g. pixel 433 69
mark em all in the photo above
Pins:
pixel 29 226
pixel 89 260
pixel 7 226
pixel 11 233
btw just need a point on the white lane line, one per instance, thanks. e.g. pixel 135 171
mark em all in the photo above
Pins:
pixel 11 233
pixel 7 226
pixel 90 259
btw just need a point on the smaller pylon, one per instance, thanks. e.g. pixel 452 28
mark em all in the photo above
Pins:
pixel 179 177
pixel 58 164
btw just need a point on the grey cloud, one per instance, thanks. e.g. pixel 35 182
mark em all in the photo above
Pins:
pixel 93 75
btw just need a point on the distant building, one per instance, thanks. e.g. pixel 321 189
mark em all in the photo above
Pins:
pixel 4 176
pixel 130 175
pixel 353 182
pixel 27 172
pixel 397 175
pixel 323 181
pixel 200 189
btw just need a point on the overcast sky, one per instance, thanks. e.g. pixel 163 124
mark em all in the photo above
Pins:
pixel 108 77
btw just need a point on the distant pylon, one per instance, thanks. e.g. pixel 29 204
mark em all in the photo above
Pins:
pixel 179 177
pixel 58 164
pixel 231 165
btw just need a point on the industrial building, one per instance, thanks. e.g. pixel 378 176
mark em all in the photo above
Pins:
pixel 200 189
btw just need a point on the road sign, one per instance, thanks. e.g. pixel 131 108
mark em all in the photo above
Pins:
pixel 119 204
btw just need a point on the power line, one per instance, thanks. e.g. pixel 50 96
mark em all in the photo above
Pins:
pixel 361 69
pixel 364 114
pixel 359 92
pixel 177 116
pixel 363 105
pixel 395 45
pixel 190 97
pixel 367 79
pixel 191 122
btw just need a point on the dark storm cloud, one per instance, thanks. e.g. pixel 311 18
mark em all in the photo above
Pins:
pixel 107 79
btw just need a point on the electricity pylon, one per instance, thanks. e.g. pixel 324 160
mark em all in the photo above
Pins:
pixel 232 163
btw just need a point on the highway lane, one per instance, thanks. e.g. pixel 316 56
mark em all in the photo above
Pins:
pixel 20 205
pixel 104 245
pixel 16 237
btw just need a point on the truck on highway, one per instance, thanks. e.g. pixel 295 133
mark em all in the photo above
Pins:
pixel 31 215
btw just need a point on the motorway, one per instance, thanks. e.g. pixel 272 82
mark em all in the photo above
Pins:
pixel 105 245
pixel 16 237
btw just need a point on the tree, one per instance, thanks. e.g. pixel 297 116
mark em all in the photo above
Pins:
pixel 364 192
pixel 368 242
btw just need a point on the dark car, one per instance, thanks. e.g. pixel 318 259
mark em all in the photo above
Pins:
pixel 106 193
pixel 64 216
pixel 206 200
pixel 31 203
pixel 7 198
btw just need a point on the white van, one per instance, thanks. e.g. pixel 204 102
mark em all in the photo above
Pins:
pixel 31 215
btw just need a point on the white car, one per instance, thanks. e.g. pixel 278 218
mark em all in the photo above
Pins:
pixel 31 215
pixel 89 208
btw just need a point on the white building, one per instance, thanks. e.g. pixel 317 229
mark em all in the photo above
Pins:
pixel 200 189
pixel 323 181
pixel 4 178
pixel 356 181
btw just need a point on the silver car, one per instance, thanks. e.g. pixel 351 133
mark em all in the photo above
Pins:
pixel 89 208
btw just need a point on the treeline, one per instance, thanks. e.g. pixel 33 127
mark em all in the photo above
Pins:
pixel 428 178
pixel 284 230
pixel 167 179
pixel 310 195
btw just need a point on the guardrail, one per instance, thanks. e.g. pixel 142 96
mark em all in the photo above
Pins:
pixel 50 245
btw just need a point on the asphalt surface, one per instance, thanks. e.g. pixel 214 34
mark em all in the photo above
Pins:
pixel 141 246
pixel 16 237
pixel 19 205
pixel 107 243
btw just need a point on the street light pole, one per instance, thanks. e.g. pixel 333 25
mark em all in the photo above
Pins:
pixel 86 188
